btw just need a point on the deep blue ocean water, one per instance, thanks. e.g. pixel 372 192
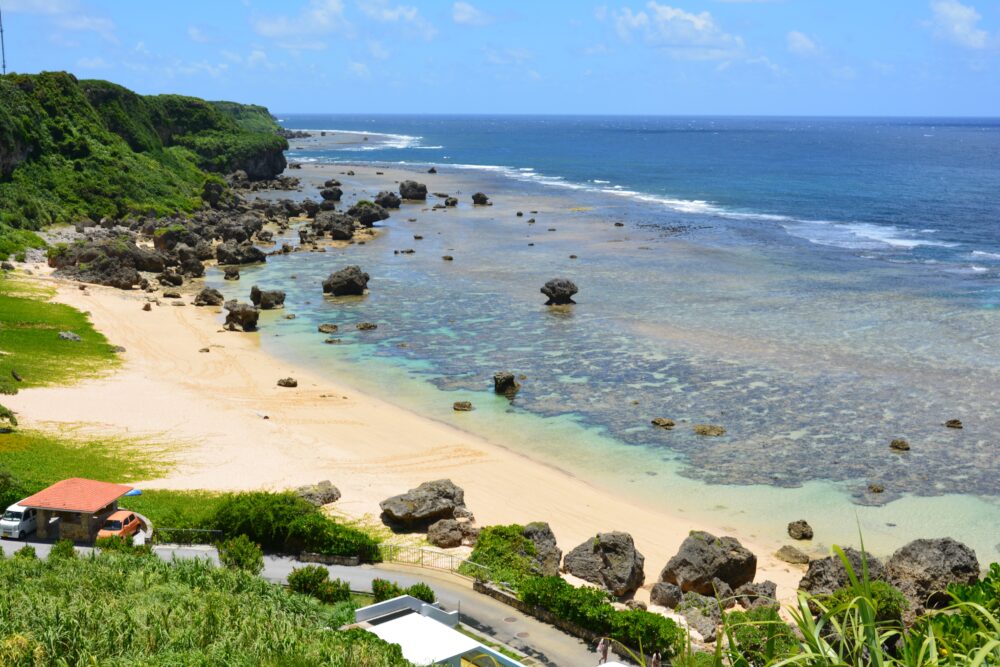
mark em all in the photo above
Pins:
pixel 901 190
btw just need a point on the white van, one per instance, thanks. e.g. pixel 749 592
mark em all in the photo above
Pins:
pixel 18 521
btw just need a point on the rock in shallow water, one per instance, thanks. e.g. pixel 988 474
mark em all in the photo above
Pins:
pixel 800 530
pixel 560 291
pixel 350 280
pixel 711 430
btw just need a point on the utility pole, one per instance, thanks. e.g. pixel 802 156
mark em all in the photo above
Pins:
pixel 3 47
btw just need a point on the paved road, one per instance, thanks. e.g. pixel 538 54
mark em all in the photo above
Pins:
pixel 548 645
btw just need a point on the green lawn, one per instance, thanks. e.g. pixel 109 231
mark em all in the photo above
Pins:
pixel 29 339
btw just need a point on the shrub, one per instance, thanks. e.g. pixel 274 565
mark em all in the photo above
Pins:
pixel 333 591
pixel 6 416
pixel 307 579
pixel 506 554
pixel 887 601
pixel 240 553
pixel 422 591
pixel 118 544
pixel 263 517
pixel 384 590
pixel 317 533
pixel 63 549
pixel 11 489
pixel 759 635
pixel 27 552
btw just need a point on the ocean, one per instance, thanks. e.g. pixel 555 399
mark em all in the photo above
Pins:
pixel 818 287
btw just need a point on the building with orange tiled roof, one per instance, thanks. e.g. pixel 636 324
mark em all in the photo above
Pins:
pixel 75 508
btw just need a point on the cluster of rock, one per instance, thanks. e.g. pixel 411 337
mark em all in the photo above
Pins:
pixel 437 507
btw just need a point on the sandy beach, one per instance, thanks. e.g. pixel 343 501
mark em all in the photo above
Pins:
pixel 213 405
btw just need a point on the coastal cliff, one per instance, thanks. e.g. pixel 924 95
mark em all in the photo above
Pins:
pixel 72 149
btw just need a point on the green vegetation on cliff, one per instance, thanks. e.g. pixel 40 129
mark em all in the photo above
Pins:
pixel 72 149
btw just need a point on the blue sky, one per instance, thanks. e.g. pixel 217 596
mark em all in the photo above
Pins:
pixel 794 57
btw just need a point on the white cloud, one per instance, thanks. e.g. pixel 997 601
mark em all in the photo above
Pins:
pixel 508 56
pixel 800 44
pixel 683 35
pixel 466 14
pixel 92 63
pixel 257 58
pixel 958 23
pixel 196 34
pixel 381 10
pixel 38 6
pixel 377 50
pixel 359 70
pixel 319 17
pixel 103 27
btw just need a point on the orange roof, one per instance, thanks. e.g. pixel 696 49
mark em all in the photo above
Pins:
pixel 76 495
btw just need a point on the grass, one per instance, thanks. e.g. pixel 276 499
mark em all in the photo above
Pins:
pixel 175 509
pixel 126 609
pixel 29 339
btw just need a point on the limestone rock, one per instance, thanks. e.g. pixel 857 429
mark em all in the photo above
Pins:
pixel 422 506
pixel 800 530
pixel 560 291
pixel 704 557
pixel 322 493
pixel 826 575
pixel 609 560
pixel 923 569
pixel 350 280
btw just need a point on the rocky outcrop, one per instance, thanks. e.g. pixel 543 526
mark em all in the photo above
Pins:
pixel 609 560
pixel 232 252
pixel 702 614
pixel 560 291
pixel 331 194
pixel 413 191
pixel 231 273
pixel 322 493
pixel 339 226
pixel 350 280
pixel 449 533
pixel 367 213
pixel 760 594
pixel 267 299
pixel 548 555
pixel 424 505
pixel 479 199
pixel 800 530
pixel 666 594
pixel 241 315
pixel 209 297
pixel 387 199
pixel 825 575
pixel 505 383
pixel 704 557
pixel 923 570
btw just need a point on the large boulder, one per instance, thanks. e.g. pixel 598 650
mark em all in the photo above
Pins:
pixel 448 533
pixel 923 569
pixel 331 194
pixel 387 199
pixel 232 252
pixel 267 299
pixel 826 575
pixel 548 555
pixel 339 226
pixel 609 560
pixel 560 291
pixel 209 297
pixel 424 505
pixel 703 557
pixel 800 530
pixel 666 594
pixel 413 190
pixel 350 280
pixel 322 493
pixel 367 213
pixel 505 383
pixel 241 315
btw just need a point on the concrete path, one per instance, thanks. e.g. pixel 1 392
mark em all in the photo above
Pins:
pixel 491 618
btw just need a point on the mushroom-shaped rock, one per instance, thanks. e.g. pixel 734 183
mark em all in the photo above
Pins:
pixel 800 530
pixel 387 199
pixel 548 555
pixel 923 569
pixel 209 297
pixel 232 273
pixel 241 315
pixel 413 190
pixel 422 506
pixel 367 213
pixel 560 291
pixel 704 557
pixel 319 494
pixel 609 560
pixel 350 280
pixel 505 383
pixel 267 299
pixel 825 575
pixel 331 194
pixel 479 199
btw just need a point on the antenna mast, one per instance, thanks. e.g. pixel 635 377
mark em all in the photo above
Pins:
pixel 3 48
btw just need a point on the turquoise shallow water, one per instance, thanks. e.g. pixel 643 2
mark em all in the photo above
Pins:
pixel 811 364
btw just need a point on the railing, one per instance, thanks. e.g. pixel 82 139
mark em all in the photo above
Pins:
pixel 433 559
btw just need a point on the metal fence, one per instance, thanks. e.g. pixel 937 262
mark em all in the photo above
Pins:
pixel 433 559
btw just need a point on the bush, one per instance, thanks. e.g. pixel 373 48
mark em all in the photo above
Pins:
pixel 11 489
pixel 384 590
pixel 27 552
pixel 505 552
pixel 63 549
pixel 7 417
pixel 307 579
pixel 333 591
pixel 887 601
pixel 240 553
pixel 316 533
pixel 591 609
pixel 759 635
pixel 422 591
pixel 115 543
pixel 263 517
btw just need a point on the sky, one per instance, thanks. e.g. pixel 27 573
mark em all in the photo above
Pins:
pixel 676 57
